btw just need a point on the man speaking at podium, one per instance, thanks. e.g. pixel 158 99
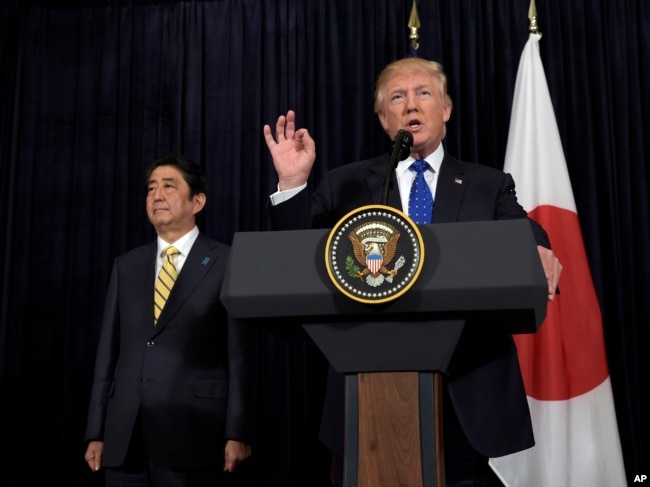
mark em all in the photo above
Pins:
pixel 411 95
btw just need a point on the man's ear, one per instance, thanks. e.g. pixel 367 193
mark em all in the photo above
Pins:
pixel 199 202
pixel 447 112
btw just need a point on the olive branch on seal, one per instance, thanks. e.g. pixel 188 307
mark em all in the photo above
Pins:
pixel 350 266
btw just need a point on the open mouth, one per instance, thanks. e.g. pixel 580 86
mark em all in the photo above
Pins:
pixel 414 125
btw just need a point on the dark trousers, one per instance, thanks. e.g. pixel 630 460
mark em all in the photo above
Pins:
pixel 139 471
pixel 157 476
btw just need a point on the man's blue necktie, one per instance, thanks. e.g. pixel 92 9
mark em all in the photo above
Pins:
pixel 420 199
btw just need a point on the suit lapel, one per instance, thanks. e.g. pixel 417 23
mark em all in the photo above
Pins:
pixel 450 191
pixel 376 180
pixel 199 261
pixel 139 283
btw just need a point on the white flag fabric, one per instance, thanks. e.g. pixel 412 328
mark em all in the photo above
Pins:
pixel 564 364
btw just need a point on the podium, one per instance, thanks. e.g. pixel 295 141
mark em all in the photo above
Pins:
pixel 392 354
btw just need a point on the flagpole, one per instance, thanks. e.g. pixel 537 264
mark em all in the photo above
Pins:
pixel 414 27
pixel 533 28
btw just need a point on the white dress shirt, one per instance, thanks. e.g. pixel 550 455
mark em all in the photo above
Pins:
pixel 183 244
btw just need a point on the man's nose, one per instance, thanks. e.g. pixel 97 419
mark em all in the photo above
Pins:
pixel 411 102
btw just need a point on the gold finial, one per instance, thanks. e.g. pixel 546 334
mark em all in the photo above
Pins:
pixel 414 25
pixel 532 17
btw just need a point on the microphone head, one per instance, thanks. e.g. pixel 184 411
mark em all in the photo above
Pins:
pixel 402 143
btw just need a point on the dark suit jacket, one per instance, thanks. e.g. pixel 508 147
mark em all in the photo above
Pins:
pixel 484 384
pixel 189 376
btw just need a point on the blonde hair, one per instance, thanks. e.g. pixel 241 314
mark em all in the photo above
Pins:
pixel 410 65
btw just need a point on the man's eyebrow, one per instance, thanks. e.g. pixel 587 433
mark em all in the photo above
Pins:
pixel 402 89
pixel 395 91
pixel 167 179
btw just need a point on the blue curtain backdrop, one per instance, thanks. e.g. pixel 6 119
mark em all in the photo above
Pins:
pixel 91 91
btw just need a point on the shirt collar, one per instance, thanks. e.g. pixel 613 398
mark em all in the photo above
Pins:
pixel 434 159
pixel 183 244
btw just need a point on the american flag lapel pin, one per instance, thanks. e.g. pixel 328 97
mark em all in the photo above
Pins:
pixel 457 180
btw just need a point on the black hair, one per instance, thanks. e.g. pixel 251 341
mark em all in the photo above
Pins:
pixel 193 173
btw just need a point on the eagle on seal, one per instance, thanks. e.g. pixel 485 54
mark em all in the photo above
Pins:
pixel 374 257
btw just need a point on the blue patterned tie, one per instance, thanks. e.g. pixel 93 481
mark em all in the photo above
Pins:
pixel 420 199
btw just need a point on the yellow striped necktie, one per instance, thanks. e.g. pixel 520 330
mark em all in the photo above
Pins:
pixel 166 279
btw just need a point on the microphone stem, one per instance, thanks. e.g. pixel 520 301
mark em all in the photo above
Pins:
pixel 389 177
pixel 401 148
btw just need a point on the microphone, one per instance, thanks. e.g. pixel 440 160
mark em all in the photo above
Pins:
pixel 401 147
pixel 400 150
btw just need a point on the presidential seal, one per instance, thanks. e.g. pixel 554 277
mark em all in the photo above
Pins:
pixel 374 254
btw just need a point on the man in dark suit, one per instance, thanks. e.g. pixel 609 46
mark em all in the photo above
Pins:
pixel 171 396
pixel 486 413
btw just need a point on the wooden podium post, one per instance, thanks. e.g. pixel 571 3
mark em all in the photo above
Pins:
pixel 398 435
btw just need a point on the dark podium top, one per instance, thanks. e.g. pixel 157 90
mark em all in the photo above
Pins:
pixel 489 270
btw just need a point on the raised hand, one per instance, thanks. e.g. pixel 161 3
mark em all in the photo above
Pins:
pixel 293 151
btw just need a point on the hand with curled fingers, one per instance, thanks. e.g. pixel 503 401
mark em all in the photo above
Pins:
pixel 552 269
pixel 235 453
pixel 293 151
pixel 94 454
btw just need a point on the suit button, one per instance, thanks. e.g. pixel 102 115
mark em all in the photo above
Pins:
pixel 150 343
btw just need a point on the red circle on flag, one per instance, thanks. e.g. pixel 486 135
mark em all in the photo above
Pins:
pixel 566 357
